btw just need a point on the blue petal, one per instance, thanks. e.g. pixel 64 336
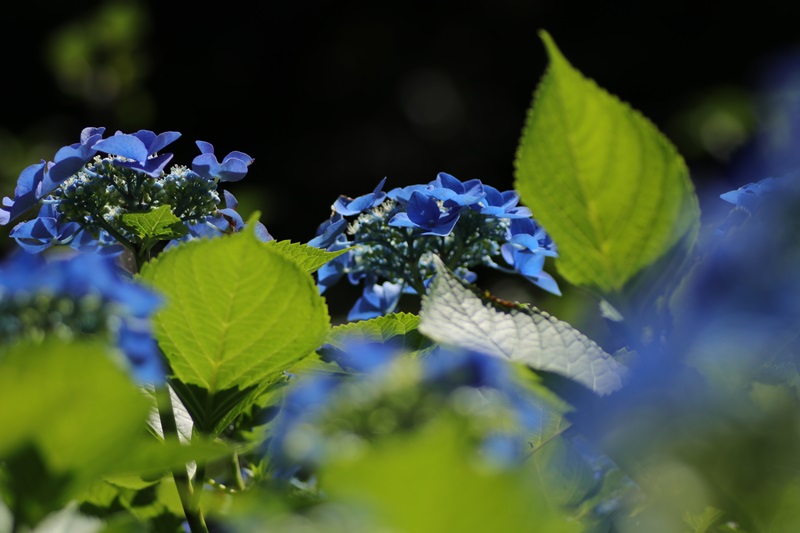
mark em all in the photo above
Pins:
pixel 206 165
pixel 231 170
pixel 205 148
pixel 401 220
pixel 124 145
pixel 547 282
pixel 162 140
pixel 239 156
pixel 153 166
pixel 262 234
pixel 423 210
pixel 445 224
pixel 88 135
pixel 143 354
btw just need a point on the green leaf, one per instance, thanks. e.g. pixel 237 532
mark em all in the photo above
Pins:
pixel 159 224
pixel 381 329
pixel 610 189
pixel 431 481
pixel 70 415
pixel 237 312
pixel 453 313
pixel 308 257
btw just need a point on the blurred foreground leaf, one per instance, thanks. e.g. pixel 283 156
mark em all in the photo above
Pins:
pixel 431 481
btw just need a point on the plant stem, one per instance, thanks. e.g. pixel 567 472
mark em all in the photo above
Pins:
pixel 237 471
pixel 189 502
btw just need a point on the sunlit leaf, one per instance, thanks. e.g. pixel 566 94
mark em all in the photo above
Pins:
pixel 238 312
pixel 609 188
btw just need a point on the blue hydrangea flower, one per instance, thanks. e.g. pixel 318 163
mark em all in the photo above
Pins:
pixel 393 239
pixel 225 220
pixel 92 184
pixel 232 168
pixel 81 295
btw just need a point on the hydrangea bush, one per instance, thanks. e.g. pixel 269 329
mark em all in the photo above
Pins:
pixel 167 365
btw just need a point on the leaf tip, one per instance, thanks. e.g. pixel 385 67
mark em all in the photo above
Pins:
pixel 553 53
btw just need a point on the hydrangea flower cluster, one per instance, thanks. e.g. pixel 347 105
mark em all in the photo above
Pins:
pixel 83 295
pixel 392 238
pixel 90 185
pixel 324 416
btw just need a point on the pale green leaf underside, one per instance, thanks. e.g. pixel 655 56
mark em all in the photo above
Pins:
pixel 308 257
pixel 611 190
pixel 453 314
pixel 237 312
pixel 159 223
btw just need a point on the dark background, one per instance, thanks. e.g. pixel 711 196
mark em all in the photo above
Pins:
pixel 330 97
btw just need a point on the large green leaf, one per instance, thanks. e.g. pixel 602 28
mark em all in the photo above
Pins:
pixel 453 313
pixel 611 190
pixel 237 313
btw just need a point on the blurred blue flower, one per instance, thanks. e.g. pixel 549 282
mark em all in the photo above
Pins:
pixel 320 412
pixel 232 168
pixel 104 301
pixel 38 234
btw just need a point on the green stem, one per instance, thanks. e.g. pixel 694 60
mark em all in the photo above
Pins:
pixel 189 502
pixel 117 235
pixel 237 471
